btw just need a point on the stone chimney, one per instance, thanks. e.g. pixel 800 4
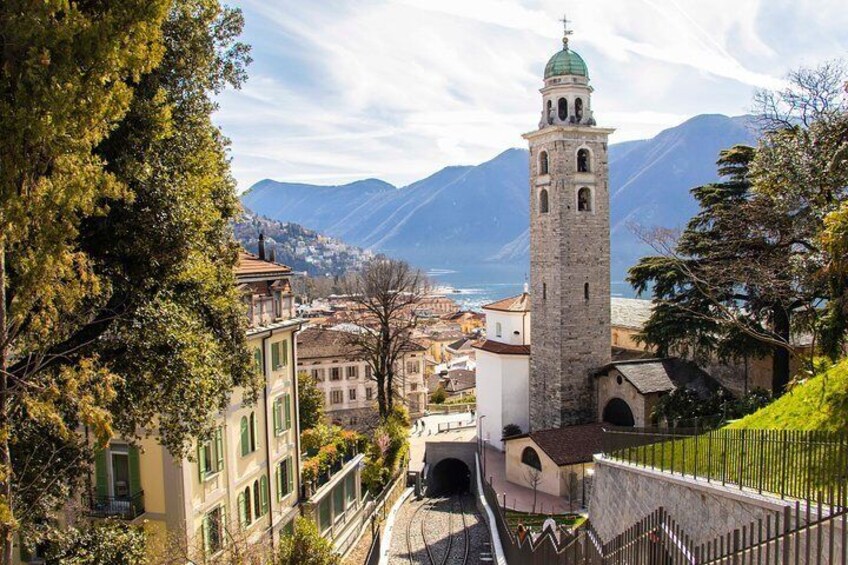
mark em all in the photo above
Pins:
pixel 273 255
pixel 262 246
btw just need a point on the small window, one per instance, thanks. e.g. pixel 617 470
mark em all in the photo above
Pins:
pixel 549 112
pixel 583 161
pixel 213 531
pixel 544 291
pixel 530 458
pixel 585 291
pixel 351 394
pixel 584 199
pixel 543 201
pixel 562 107
pixel 368 372
pixel 498 329
pixel 335 374
pixel 369 393
pixel 336 397
pixel 578 109
pixel 285 478
pixel 543 163
pixel 352 372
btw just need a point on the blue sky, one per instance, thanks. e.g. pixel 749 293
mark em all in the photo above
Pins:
pixel 397 89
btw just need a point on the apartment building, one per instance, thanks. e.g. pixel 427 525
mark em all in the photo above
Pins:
pixel 346 380
pixel 245 479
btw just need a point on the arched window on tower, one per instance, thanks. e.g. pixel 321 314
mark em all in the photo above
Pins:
pixel 549 112
pixel 584 199
pixel 562 109
pixel 583 161
pixel 530 458
pixel 578 109
pixel 543 201
pixel 543 163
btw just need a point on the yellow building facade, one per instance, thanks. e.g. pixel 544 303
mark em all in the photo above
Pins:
pixel 242 485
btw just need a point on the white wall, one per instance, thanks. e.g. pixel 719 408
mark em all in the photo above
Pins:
pixel 502 393
pixel 515 327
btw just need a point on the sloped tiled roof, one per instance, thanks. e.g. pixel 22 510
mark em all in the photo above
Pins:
pixel 462 343
pixel 663 375
pixel 502 348
pixel 251 265
pixel 569 445
pixel 520 303
pixel 319 343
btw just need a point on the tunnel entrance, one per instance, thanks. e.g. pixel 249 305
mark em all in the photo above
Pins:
pixel 449 476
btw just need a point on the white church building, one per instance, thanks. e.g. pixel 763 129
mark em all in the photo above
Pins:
pixel 504 358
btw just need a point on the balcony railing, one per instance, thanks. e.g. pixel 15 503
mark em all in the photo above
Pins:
pixel 124 507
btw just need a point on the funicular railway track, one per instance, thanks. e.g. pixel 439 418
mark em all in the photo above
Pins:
pixel 438 531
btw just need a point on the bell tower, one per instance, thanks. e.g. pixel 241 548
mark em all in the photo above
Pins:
pixel 569 246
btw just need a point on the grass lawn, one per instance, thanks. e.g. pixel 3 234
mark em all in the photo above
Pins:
pixel 769 450
pixel 535 521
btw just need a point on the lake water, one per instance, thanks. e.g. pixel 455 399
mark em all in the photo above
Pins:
pixel 481 284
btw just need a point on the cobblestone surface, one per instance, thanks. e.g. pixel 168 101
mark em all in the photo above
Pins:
pixel 449 527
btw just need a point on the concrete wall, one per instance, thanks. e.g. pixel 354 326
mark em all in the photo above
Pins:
pixel 622 495
pixel 515 327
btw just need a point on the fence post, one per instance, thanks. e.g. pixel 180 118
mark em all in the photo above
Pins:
pixel 786 529
pixel 741 459
pixel 736 547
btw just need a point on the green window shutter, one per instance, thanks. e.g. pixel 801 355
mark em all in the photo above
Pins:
pixel 245 436
pixel 135 472
pixel 100 473
pixel 263 494
pixel 223 525
pixel 277 483
pixel 289 476
pixel 275 355
pixel 276 411
pixel 219 449
pixel 201 461
pixel 257 360
pixel 285 346
pixel 242 510
pixel 287 401
pixel 207 535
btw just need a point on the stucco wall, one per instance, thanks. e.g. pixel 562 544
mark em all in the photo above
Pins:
pixel 502 394
pixel 521 474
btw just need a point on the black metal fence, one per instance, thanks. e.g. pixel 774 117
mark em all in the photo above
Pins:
pixel 124 507
pixel 789 464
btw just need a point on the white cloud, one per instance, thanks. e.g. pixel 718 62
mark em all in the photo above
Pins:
pixel 398 89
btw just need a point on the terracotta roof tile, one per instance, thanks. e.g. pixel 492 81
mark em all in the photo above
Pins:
pixel 250 264
pixel 502 348
pixel 520 303
pixel 569 445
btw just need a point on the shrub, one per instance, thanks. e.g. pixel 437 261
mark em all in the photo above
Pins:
pixel 439 396
pixel 305 546
pixel 510 430
pixel 109 541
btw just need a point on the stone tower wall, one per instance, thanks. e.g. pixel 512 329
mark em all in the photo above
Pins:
pixel 568 248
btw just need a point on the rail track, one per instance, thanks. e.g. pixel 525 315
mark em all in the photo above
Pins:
pixel 427 523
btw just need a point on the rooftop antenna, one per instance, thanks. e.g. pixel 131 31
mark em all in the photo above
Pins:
pixel 565 31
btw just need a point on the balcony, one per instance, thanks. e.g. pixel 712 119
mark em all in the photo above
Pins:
pixel 123 507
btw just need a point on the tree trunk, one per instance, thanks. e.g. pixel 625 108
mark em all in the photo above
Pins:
pixel 6 530
pixel 780 356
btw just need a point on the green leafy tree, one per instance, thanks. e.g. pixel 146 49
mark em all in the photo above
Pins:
pixel 117 257
pixel 65 81
pixel 310 402
pixel 439 395
pixel 757 264
pixel 116 543
pixel 305 546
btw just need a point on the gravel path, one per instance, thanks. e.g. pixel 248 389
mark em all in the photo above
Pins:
pixel 440 522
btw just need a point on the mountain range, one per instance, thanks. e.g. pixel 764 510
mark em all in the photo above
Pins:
pixel 468 217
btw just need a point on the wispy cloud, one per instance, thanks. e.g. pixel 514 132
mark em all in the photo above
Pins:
pixel 342 90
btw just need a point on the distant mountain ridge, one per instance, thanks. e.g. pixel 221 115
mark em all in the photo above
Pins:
pixel 470 215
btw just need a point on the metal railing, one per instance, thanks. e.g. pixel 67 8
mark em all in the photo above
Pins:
pixel 125 507
pixel 789 464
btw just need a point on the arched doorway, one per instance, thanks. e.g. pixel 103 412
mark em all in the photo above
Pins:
pixel 618 413
pixel 449 476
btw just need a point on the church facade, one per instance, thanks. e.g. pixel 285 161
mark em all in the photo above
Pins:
pixel 569 247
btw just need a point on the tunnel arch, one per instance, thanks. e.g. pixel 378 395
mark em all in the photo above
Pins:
pixel 449 476
pixel 618 413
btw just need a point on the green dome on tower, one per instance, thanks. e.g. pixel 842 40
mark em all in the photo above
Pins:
pixel 566 62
